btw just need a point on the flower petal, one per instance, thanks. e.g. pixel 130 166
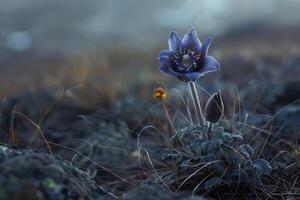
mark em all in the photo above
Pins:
pixel 164 57
pixel 191 41
pixel 192 76
pixel 210 65
pixel 175 43
pixel 205 46
pixel 168 71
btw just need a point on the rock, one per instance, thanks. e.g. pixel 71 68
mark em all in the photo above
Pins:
pixel 150 191
pixel 290 92
pixel 29 175
pixel 103 138
pixel 135 112
pixel 45 108
pixel 287 123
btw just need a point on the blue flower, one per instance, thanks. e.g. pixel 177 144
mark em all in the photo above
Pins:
pixel 187 58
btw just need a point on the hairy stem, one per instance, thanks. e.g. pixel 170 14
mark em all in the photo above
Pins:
pixel 197 104
pixel 210 130
pixel 169 118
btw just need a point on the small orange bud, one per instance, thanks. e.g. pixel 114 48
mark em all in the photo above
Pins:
pixel 160 93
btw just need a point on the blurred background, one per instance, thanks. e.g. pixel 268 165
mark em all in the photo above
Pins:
pixel 54 43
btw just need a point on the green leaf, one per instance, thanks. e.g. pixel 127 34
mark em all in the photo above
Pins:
pixel 262 166
pixel 213 183
pixel 247 151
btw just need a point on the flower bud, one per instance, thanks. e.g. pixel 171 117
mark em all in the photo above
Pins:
pixel 214 108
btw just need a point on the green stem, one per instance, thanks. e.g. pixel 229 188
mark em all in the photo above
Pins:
pixel 197 104
pixel 169 118
pixel 210 131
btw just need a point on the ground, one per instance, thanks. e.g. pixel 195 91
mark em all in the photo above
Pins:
pixel 97 133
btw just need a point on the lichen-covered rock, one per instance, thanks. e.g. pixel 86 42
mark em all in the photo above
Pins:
pixel 29 175
pixel 287 122
pixel 103 138
pixel 153 191
pixel 289 93
pixel 136 112
pixel 51 110
pixel 148 192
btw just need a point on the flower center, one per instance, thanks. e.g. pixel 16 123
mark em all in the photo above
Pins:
pixel 187 60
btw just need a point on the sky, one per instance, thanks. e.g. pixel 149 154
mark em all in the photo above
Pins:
pixel 69 26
